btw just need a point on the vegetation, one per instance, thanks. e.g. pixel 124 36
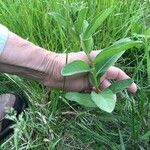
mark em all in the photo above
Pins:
pixel 51 122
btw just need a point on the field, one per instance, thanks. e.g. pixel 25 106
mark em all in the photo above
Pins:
pixel 51 122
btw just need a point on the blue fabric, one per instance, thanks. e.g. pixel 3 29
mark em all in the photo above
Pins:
pixel 3 37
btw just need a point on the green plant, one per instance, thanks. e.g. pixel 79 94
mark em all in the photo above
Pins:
pixel 108 56
pixel 54 124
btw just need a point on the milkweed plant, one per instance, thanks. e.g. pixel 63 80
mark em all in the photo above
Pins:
pixel 84 30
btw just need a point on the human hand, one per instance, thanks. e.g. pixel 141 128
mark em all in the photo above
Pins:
pixel 23 58
pixel 80 82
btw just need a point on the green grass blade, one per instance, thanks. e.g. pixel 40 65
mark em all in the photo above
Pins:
pixel 146 136
pixel 59 19
pixel 148 62
pixel 122 146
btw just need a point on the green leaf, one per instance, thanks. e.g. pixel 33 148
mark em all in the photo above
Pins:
pixel 115 49
pixel 75 67
pixel 104 100
pixel 122 145
pixel 74 35
pixel 120 85
pixel 147 33
pixel 87 45
pixel 135 27
pixel 148 61
pixel 121 41
pixel 80 98
pixel 146 136
pixel 96 22
pixel 59 19
pixel 92 80
pixel 102 66
pixel 81 17
pixel 84 27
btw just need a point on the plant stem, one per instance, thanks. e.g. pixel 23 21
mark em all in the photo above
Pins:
pixel 93 73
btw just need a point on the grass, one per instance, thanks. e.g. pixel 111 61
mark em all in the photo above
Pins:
pixel 50 122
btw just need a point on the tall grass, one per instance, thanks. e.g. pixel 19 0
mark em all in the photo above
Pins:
pixel 52 123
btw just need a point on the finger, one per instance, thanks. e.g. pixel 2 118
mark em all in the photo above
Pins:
pixel 77 84
pixel 105 84
pixel 117 74
pixel 132 88
pixel 93 54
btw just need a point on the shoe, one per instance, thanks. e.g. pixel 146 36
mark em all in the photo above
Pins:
pixel 10 100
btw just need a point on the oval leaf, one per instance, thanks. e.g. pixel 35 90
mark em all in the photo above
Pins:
pixel 103 65
pixel 104 100
pixel 87 45
pixel 84 27
pixel 81 17
pixel 75 67
pixel 96 22
pixel 115 49
pixel 118 86
pixel 80 98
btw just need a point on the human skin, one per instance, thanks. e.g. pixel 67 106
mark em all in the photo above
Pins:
pixel 25 59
